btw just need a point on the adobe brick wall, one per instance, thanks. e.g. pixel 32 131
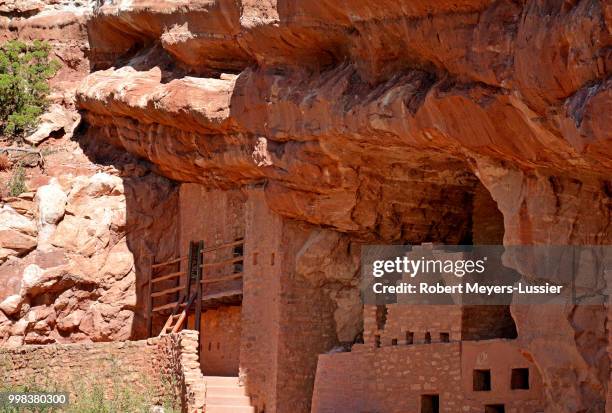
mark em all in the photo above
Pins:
pixel 260 303
pixel 392 379
pixel 166 366
pixel 286 321
pixel 417 319
pixel 220 341
pixel 210 215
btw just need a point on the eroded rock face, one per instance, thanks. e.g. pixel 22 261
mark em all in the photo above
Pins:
pixel 383 123
pixel 82 281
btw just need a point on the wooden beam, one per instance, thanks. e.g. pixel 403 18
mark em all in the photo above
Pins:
pixel 167 276
pixel 167 291
pixel 198 280
pixel 172 261
pixel 150 304
pixel 165 306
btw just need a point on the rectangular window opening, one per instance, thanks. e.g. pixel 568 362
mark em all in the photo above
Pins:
pixel 377 341
pixel 394 342
pixel 495 408
pixel 482 380
pixel 444 337
pixel 428 337
pixel 409 337
pixel 519 379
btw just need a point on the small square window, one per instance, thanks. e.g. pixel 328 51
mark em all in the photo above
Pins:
pixel 444 337
pixel 519 379
pixel 430 403
pixel 482 380
pixel 394 342
pixel 495 408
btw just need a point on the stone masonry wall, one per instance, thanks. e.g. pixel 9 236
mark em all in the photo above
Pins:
pixel 393 379
pixel 167 367
pixel 415 321
pixel 260 303
pixel 287 320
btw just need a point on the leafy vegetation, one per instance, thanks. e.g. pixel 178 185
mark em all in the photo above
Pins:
pixel 25 69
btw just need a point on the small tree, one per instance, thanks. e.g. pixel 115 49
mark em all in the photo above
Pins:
pixel 25 69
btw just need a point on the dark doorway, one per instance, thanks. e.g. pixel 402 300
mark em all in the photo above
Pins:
pixel 430 403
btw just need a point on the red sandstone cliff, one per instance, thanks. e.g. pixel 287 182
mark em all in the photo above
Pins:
pixel 382 122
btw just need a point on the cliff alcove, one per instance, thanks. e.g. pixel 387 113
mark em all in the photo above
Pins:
pixel 303 130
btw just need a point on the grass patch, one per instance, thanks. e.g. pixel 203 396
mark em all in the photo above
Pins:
pixel 17 183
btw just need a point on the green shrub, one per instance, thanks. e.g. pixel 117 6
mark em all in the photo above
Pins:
pixel 25 69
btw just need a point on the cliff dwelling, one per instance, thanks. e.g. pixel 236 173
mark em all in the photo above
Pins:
pixel 187 210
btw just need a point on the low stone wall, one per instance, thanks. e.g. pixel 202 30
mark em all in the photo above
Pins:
pixel 166 367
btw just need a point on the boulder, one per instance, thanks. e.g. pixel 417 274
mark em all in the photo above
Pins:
pixel 81 235
pixel 51 202
pixel 11 304
pixel 32 276
pixel 51 205
pixel 11 219
pixel 19 242
pixel 58 121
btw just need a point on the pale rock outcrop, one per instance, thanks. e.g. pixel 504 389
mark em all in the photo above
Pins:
pixel 87 267
pixel 9 218
pixel 21 6
pixel 32 275
pixel 17 233
pixel 11 304
pixel 58 121
pixel 51 204
pixel 82 235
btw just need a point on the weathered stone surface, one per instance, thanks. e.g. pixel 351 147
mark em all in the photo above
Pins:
pixel 89 271
pixel 380 124
pixel 21 6
pixel 10 219
pixel 16 241
pixel 56 122
pixel 11 304
pixel 51 203
pixel 82 235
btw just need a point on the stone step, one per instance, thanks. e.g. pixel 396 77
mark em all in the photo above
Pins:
pixel 221 381
pixel 230 409
pixel 225 391
pixel 227 401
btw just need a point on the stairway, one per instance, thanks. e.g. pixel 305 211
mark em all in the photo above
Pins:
pixel 225 395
